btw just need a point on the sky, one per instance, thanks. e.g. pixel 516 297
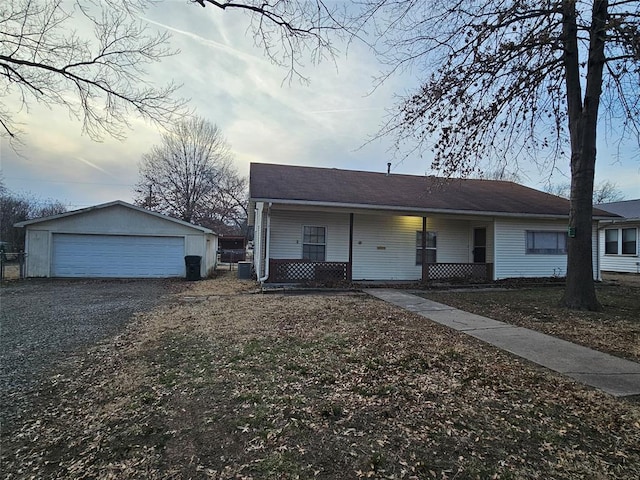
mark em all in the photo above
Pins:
pixel 264 118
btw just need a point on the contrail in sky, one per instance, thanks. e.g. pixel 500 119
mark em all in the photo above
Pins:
pixel 93 165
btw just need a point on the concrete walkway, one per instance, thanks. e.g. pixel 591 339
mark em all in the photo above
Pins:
pixel 610 374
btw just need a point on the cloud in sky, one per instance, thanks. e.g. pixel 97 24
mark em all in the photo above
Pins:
pixel 232 84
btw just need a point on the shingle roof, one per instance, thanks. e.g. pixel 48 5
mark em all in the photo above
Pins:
pixel 294 184
pixel 627 208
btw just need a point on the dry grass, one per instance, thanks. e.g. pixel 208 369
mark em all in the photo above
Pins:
pixel 615 330
pixel 224 383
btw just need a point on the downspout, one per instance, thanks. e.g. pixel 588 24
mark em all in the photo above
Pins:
pixel 267 246
pixel 598 273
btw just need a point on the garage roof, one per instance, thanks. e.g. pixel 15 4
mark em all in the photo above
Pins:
pixel 112 204
pixel 330 186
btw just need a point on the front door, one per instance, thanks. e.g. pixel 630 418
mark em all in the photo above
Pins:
pixel 480 245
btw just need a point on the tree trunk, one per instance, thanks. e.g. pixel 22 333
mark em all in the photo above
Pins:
pixel 583 117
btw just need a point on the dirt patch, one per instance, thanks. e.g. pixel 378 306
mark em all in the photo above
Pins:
pixel 629 279
pixel 242 385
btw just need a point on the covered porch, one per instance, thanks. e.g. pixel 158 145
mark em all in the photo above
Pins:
pixel 377 246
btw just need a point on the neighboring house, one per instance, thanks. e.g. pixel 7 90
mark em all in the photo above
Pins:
pixel 329 224
pixel 619 249
pixel 115 240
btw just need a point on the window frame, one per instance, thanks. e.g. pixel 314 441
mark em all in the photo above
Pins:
pixel 314 244
pixel 635 241
pixel 611 242
pixel 533 250
pixel 434 235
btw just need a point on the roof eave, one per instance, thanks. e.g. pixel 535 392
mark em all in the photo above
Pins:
pixel 413 209
pixel 34 221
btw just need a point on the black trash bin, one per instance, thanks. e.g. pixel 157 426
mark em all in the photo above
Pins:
pixel 192 263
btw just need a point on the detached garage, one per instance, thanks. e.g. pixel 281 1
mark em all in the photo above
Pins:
pixel 115 240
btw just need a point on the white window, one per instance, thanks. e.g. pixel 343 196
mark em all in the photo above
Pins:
pixel 629 241
pixel 430 247
pixel 621 241
pixel 314 243
pixel 546 243
pixel 611 241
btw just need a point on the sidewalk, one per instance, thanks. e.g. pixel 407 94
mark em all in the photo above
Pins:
pixel 605 372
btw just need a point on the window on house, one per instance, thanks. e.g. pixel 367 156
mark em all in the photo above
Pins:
pixel 546 243
pixel 629 239
pixel 430 247
pixel 611 241
pixel 314 243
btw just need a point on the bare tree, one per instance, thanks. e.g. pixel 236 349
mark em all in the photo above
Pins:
pixel 86 56
pixel 16 208
pixel 499 173
pixel 288 31
pixel 603 192
pixel 606 192
pixel 518 80
pixel 190 175
pixel 512 80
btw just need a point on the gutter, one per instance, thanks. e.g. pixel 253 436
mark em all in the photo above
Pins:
pixel 267 247
pixel 422 211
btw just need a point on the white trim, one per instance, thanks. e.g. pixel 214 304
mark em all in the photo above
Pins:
pixel 112 204
pixel 302 243
pixel 265 277
pixel 421 211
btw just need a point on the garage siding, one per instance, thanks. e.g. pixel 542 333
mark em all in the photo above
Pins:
pixel 119 256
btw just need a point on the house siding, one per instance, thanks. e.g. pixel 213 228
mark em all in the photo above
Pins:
pixel 385 246
pixel 512 259
pixel 287 229
pixel 619 263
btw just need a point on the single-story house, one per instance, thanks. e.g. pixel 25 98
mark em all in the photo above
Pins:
pixel 115 240
pixel 325 224
pixel 619 250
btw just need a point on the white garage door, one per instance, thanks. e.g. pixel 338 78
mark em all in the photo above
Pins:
pixel 118 256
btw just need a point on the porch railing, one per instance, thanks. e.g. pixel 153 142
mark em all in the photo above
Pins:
pixel 305 271
pixel 458 271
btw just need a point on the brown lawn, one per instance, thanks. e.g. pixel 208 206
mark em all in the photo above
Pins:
pixel 225 383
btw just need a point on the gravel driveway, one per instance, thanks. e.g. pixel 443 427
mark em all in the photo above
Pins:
pixel 44 321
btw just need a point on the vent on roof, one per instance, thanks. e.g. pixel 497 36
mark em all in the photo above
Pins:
pixel 388 168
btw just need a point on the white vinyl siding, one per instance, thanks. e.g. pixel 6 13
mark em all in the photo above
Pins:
pixel 384 245
pixel 118 256
pixel 287 227
pixel 616 262
pixel 512 259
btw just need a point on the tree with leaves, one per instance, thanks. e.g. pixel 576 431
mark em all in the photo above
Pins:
pixel 88 57
pixel 190 176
